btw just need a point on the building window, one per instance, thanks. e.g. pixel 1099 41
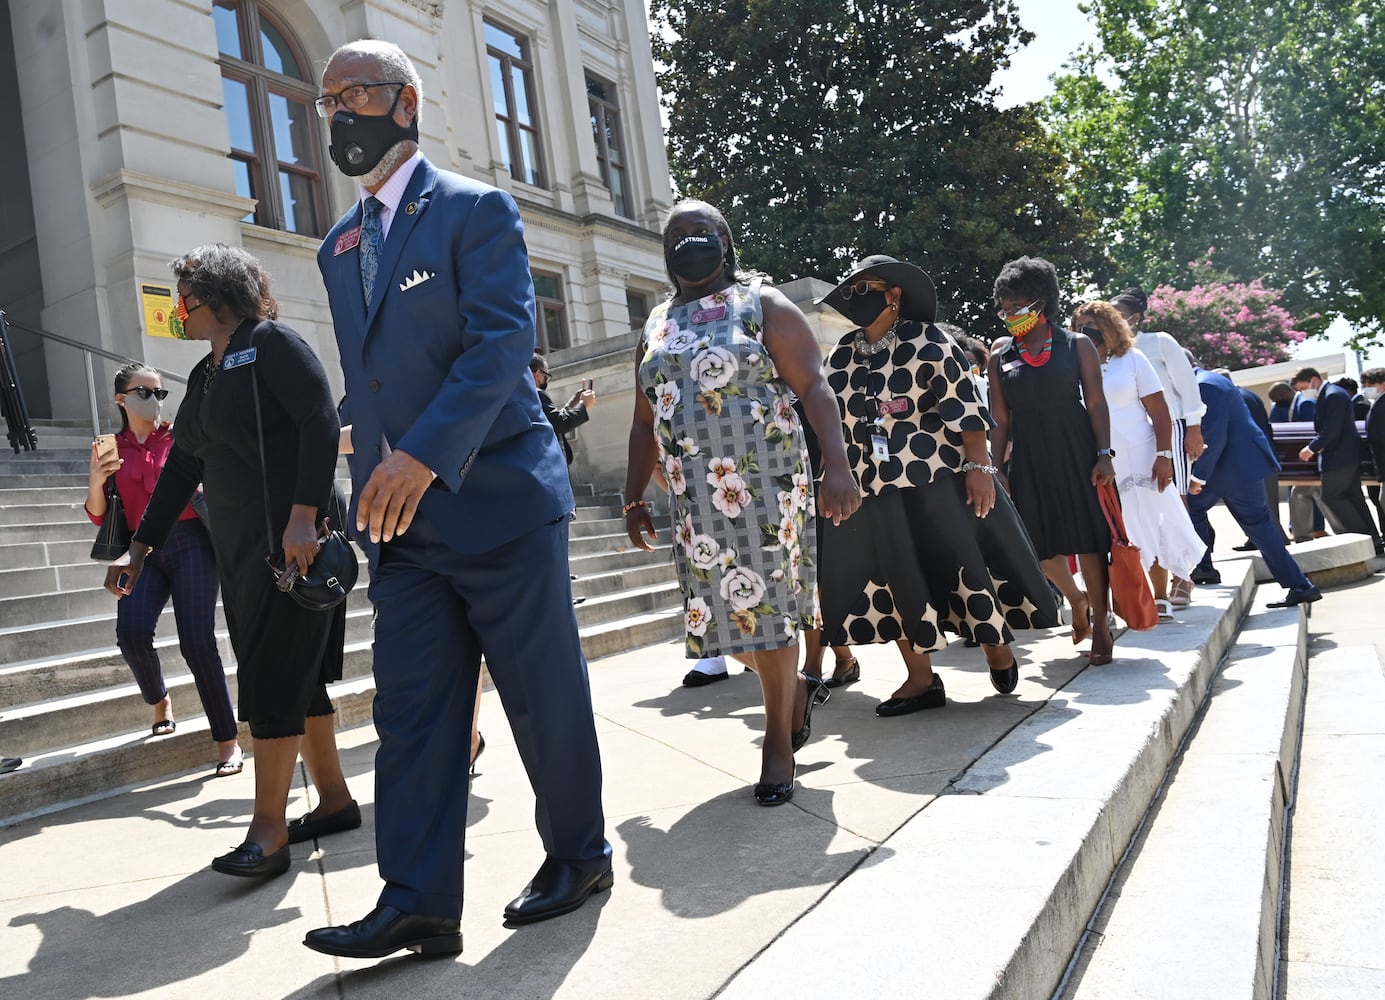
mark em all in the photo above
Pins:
pixel 638 305
pixel 551 312
pixel 610 146
pixel 512 91
pixel 268 97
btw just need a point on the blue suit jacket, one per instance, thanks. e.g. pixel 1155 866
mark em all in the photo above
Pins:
pixel 1237 451
pixel 438 361
pixel 1334 423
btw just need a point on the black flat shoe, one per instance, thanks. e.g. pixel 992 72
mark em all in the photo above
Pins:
pixel 1294 598
pixel 852 675
pixel 934 697
pixel 309 827
pixel 697 679
pixel 774 793
pixel 817 695
pixel 1007 679
pixel 385 930
pixel 1246 546
pixel 557 888
pixel 1205 576
pixel 250 861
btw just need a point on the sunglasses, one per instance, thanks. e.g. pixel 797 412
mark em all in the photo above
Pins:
pixel 863 287
pixel 1017 310
pixel 144 392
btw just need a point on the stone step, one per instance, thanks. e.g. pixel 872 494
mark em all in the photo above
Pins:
pixel 1330 949
pixel 97 631
pixel 26 580
pixel 119 708
pixel 986 891
pixel 50 513
pixel 1329 562
pixel 81 772
pixel 27 493
pixel 85 770
pixel 29 481
pixel 1202 880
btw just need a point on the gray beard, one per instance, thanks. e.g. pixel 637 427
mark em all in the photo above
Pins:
pixel 389 163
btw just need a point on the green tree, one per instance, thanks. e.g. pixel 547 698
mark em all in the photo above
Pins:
pixel 1255 128
pixel 829 129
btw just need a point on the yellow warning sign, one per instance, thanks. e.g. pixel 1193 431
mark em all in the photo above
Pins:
pixel 157 301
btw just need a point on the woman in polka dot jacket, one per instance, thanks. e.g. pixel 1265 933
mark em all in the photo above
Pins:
pixel 936 547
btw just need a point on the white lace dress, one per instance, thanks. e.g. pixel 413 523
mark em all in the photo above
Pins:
pixel 1157 522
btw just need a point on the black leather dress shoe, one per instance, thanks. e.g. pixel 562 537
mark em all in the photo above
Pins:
pixel 1007 679
pixel 697 679
pixel 310 827
pixel 934 697
pixel 1294 598
pixel 557 888
pixel 851 675
pixel 774 793
pixel 817 695
pixel 250 861
pixel 1246 546
pixel 385 930
pixel 1205 576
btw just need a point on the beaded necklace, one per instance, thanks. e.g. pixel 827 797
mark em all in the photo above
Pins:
pixel 1039 358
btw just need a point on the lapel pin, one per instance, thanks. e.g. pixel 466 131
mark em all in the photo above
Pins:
pixel 411 208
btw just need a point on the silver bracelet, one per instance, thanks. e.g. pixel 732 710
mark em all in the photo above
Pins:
pixel 989 470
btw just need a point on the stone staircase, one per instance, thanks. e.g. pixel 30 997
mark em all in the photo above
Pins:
pixel 68 703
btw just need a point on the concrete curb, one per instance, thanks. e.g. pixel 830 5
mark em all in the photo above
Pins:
pixel 1030 834
pixel 1202 881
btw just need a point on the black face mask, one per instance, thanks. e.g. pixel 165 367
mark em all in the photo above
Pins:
pixel 360 142
pixel 863 310
pixel 696 258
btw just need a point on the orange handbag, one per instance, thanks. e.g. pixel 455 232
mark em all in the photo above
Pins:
pixel 1131 597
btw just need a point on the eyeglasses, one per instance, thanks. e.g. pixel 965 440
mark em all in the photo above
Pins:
pixel 352 98
pixel 862 287
pixel 1004 311
pixel 144 392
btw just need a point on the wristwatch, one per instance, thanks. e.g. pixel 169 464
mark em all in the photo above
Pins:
pixel 1166 453
pixel 1106 453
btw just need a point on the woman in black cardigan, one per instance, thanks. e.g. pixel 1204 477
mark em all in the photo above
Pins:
pixel 285 654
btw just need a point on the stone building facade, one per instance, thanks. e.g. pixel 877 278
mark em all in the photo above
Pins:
pixel 137 129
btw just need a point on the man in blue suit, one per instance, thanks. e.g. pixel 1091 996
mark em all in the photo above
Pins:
pixel 1233 469
pixel 1337 446
pixel 462 498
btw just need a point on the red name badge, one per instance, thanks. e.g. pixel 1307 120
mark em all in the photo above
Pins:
pixel 892 406
pixel 347 241
pixel 709 315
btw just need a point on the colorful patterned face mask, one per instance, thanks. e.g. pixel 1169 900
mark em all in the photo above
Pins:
pixel 180 315
pixel 1020 321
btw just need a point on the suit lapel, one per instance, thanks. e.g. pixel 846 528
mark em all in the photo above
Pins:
pixel 415 196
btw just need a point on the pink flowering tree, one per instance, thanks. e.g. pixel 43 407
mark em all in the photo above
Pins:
pixel 1225 323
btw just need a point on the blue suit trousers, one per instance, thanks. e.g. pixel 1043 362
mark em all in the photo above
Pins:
pixel 1247 505
pixel 437 613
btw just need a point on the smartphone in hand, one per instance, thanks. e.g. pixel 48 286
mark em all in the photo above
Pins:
pixel 105 446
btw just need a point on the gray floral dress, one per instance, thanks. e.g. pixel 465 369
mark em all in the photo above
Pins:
pixel 731 447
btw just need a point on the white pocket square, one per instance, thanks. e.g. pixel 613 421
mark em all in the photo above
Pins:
pixel 415 279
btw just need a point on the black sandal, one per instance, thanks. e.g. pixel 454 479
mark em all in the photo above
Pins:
pixel 164 727
pixel 851 676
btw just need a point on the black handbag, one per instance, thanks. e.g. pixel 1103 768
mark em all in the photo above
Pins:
pixel 113 537
pixel 334 569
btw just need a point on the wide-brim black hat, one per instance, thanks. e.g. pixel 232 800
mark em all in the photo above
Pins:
pixel 920 298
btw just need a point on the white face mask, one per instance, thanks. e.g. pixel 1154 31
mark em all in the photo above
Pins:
pixel 1309 394
pixel 1370 392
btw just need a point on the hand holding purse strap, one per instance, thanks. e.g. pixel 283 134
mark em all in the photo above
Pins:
pixel 1111 507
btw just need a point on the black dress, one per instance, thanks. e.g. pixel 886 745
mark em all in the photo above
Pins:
pixel 915 561
pixel 284 653
pixel 1052 451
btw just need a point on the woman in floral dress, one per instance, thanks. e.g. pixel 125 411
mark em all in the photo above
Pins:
pixel 717 369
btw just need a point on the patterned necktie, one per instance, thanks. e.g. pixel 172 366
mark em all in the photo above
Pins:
pixel 372 242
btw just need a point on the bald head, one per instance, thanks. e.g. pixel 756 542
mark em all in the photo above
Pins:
pixel 370 60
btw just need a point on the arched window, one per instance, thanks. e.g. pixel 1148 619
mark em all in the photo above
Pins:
pixel 268 94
